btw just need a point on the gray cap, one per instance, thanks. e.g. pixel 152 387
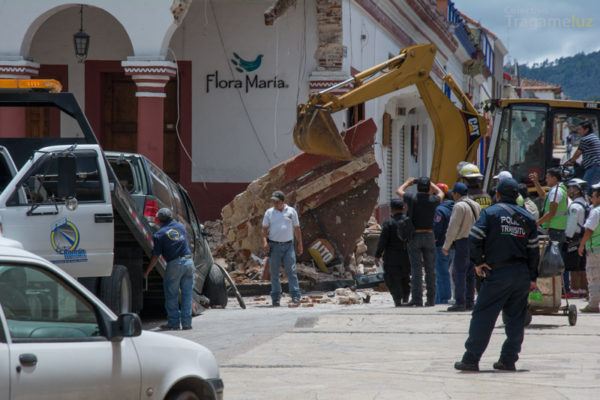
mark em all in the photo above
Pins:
pixel 278 195
pixel 164 215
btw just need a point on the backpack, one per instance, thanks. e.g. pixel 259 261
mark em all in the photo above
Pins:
pixel 405 230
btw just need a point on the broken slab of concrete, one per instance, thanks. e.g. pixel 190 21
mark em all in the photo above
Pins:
pixel 334 199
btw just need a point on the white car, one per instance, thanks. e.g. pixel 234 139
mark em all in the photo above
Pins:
pixel 58 341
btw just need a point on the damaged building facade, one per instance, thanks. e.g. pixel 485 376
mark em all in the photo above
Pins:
pixel 208 91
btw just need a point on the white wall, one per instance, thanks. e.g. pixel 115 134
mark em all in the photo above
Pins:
pixel 237 135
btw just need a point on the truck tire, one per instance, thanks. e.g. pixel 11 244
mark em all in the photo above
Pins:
pixel 116 290
pixel 215 288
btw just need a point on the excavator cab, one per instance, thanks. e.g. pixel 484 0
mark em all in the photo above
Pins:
pixel 533 135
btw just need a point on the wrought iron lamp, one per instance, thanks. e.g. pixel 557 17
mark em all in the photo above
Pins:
pixel 81 40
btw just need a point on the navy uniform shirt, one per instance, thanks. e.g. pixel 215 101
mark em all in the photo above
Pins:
pixel 171 241
pixel 497 239
pixel 441 219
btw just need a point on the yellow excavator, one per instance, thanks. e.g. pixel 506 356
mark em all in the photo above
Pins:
pixel 529 134
pixel 457 131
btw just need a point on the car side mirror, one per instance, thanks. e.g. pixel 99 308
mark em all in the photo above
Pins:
pixel 126 325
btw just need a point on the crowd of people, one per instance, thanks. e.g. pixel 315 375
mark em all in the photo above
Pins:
pixel 469 242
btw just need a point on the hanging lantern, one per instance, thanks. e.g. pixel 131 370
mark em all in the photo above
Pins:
pixel 81 40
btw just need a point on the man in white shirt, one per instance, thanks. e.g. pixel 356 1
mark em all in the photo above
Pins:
pixel 591 244
pixel 575 280
pixel 279 226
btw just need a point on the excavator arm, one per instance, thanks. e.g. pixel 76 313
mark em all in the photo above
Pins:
pixel 457 132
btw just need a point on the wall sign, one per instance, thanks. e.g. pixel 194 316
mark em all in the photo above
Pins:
pixel 247 82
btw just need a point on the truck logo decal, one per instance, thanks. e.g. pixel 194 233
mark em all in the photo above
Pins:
pixel 65 239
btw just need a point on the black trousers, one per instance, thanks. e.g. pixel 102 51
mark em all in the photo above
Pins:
pixel 397 279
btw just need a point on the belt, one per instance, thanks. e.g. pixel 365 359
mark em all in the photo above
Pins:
pixel 514 261
pixel 276 242
pixel 423 230
pixel 177 258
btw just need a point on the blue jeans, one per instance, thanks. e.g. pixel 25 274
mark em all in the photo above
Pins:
pixel 505 289
pixel 443 290
pixel 283 253
pixel 422 248
pixel 463 274
pixel 179 276
pixel 591 176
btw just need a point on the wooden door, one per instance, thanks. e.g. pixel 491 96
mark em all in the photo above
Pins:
pixel 120 119
pixel 119 113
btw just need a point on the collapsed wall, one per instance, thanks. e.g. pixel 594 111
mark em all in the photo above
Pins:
pixel 334 200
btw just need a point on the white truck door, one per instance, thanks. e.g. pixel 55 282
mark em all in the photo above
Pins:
pixel 35 213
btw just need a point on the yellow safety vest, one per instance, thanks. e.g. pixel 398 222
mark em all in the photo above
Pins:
pixel 559 221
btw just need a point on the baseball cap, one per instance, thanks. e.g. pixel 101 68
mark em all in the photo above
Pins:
pixel 460 188
pixel 396 203
pixel 278 195
pixel 164 215
pixel 508 187
pixel 503 175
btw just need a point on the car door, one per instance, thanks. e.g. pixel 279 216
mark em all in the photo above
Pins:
pixel 56 342
pixel 78 240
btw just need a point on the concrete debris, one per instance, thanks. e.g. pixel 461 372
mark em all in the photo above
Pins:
pixel 335 202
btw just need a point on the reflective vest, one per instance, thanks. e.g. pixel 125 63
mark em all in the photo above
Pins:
pixel 594 241
pixel 559 221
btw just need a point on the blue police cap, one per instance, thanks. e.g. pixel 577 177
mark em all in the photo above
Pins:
pixel 460 188
pixel 508 187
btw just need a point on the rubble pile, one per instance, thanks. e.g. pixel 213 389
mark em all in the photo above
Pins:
pixel 334 200
pixel 250 270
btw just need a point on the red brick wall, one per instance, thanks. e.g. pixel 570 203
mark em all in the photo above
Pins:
pixel 329 19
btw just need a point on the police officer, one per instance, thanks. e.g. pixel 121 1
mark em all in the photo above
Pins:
pixel 170 241
pixel 504 247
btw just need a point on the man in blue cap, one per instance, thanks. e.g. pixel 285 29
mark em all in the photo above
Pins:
pixel 396 264
pixel 504 247
pixel 464 215
pixel 170 241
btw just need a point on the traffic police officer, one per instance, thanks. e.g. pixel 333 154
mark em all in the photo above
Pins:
pixel 170 241
pixel 504 247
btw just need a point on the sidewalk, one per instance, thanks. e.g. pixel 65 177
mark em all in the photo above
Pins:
pixel 376 351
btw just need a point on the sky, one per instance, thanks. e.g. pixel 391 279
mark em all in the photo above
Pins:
pixel 535 30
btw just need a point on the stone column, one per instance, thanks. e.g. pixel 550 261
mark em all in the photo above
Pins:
pixel 12 119
pixel 150 78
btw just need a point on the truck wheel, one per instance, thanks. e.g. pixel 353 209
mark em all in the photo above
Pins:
pixel 115 290
pixel 215 288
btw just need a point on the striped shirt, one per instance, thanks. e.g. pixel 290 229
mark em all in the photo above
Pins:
pixel 589 145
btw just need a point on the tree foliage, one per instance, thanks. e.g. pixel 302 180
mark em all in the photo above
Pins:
pixel 579 75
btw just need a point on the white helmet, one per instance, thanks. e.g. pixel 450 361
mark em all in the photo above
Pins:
pixel 468 170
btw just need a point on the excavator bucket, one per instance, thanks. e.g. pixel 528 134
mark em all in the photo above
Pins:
pixel 316 133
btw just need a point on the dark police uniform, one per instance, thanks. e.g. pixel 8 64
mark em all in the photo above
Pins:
pixel 513 254
pixel 396 264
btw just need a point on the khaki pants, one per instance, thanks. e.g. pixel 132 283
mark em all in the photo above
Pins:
pixel 592 270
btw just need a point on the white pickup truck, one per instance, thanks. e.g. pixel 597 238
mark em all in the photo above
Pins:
pixel 66 205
